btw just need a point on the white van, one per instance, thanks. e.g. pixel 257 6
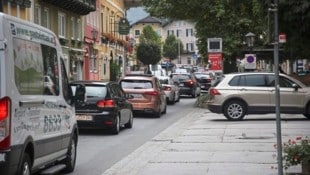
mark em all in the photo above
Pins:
pixel 38 128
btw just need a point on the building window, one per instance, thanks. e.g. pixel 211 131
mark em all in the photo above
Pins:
pixel 189 32
pixel 137 33
pixel 78 29
pixel 93 61
pixel 189 47
pixel 179 33
pixel 62 25
pixel 170 32
pixel 37 14
pixel 73 28
pixel 46 18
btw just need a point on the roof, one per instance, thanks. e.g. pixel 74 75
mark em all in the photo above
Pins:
pixel 148 19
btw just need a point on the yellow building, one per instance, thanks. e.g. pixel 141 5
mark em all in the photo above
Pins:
pixel 111 50
pixel 17 8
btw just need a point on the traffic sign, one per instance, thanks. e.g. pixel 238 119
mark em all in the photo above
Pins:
pixel 250 61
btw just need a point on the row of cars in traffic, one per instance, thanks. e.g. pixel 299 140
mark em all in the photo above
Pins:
pixel 112 105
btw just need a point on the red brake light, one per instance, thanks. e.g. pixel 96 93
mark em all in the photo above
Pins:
pixel 106 104
pixel 214 92
pixel 5 106
pixel 153 93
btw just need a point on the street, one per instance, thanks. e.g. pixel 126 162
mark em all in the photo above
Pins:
pixel 98 150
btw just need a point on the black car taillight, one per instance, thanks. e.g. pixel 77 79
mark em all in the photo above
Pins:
pixel 5 113
pixel 106 104
pixel 190 82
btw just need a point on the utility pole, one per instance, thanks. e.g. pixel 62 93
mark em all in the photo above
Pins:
pixel 274 8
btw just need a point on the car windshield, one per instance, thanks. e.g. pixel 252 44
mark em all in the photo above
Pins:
pixel 93 91
pixel 136 84
pixel 164 81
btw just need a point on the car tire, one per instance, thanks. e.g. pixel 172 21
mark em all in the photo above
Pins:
pixel 193 93
pixel 129 124
pixel 234 110
pixel 116 128
pixel 173 100
pixel 158 113
pixel 307 112
pixel 178 99
pixel 70 160
pixel 25 167
pixel 165 110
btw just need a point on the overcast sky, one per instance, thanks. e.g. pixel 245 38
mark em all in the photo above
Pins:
pixel 135 14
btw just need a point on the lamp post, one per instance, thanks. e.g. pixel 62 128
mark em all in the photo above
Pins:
pixel 250 38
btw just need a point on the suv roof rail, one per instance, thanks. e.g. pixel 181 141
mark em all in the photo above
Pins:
pixel 143 75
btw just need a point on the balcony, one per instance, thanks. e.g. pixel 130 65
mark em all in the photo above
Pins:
pixel 132 3
pixel 81 7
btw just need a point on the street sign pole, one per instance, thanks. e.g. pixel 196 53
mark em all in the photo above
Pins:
pixel 277 88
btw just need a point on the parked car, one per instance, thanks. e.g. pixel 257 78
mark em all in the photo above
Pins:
pixel 106 106
pixel 204 79
pixel 148 94
pixel 171 88
pixel 188 84
pixel 236 95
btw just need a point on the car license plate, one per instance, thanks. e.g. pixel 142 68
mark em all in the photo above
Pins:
pixel 84 117
pixel 137 95
pixel 181 84
pixel 202 86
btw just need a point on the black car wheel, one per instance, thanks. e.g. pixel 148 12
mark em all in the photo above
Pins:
pixel 234 110
pixel 116 127
pixel 130 121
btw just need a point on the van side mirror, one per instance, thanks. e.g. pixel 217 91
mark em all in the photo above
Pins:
pixel 80 93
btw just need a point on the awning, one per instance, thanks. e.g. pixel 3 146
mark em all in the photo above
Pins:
pixel 77 50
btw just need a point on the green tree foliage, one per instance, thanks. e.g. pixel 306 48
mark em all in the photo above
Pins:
pixel 149 49
pixel 226 19
pixel 172 47
pixel 148 53
pixel 294 21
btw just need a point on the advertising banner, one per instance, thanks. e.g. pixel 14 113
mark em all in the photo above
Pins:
pixel 216 61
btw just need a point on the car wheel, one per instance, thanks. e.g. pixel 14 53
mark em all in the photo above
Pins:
pixel 178 99
pixel 193 93
pixel 165 110
pixel 234 110
pixel 116 127
pixel 70 160
pixel 25 168
pixel 130 122
pixel 307 114
pixel 173 99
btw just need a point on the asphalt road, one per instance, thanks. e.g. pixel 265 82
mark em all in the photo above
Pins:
pixel 97 150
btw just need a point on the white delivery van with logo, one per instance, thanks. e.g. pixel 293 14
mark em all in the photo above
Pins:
pixel 37 121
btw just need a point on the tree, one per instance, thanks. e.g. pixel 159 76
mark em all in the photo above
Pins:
pixel 149 49
pixel 172 47
pixel 229 20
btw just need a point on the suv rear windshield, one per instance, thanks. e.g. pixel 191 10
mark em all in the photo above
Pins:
pixel 136 84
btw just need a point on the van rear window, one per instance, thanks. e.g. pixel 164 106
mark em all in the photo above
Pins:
pixel 36 68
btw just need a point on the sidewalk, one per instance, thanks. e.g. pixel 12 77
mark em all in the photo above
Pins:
pixel 203 143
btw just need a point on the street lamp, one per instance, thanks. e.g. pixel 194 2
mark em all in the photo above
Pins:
pixel 250 38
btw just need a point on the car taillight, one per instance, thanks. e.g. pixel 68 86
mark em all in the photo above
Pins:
pixel 5 106
pixel 106 104
pixel 190 82
pixel 213 91
pixel 166 88
pixel 153 93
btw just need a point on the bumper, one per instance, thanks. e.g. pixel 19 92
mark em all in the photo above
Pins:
pixel 9 161
pixel 186 91
pixel 215 108
pixel 98 121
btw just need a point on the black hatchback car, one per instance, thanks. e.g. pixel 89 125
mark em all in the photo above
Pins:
pixel 187 83
pixel 105 106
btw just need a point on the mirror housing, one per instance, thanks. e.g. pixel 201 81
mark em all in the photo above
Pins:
pixel 80 94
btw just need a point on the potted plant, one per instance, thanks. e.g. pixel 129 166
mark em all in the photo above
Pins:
pixel 297 152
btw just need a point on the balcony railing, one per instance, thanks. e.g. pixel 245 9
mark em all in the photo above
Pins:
pixel 81 7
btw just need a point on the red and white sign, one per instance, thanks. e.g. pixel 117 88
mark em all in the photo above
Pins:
pixel 216 61
pixel 282 38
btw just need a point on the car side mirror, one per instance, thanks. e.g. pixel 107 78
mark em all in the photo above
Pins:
pixel 80 93
pixel 295 86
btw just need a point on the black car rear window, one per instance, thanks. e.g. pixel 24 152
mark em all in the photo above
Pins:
pixel 93 90
pixel 136 84
pixel 181 77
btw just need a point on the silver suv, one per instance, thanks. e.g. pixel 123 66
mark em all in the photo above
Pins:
pixel 238 94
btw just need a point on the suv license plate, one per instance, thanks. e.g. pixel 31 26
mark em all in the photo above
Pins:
pixel 181 84
pixel 84 117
